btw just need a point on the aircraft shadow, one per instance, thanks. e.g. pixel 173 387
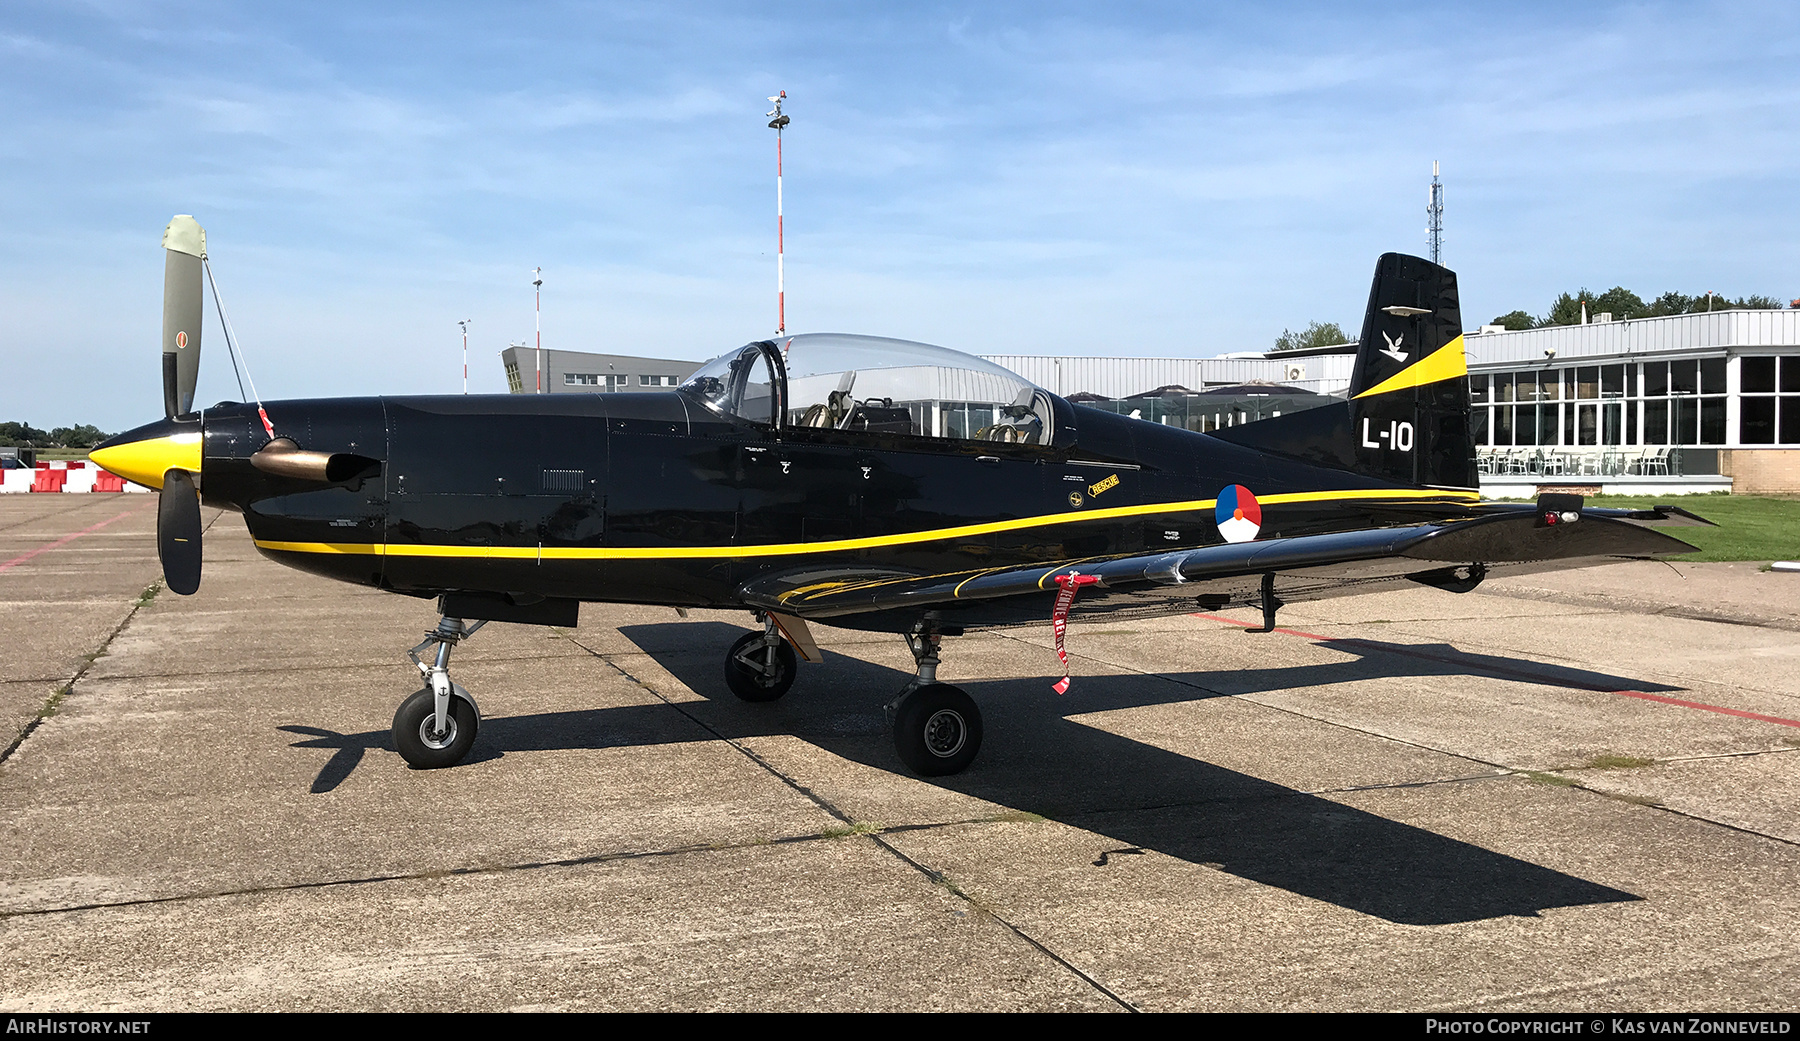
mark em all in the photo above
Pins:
pixel 1138 795
pixel 1036 760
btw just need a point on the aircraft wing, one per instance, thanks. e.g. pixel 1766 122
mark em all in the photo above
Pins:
pixel 1452 555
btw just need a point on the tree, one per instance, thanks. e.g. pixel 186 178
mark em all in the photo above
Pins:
pixel 12 434
pixel 1670 303
pixel 1624 304
pixel 1317 334
pixel 1566 309
pixel 84 435
pixel 1619 302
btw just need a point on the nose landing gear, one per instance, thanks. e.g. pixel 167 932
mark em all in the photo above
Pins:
pixel 760 666
pixel 436 725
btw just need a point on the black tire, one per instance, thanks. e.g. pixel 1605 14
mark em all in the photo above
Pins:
pixel 937 730
pixel 752 683
pixel 415 743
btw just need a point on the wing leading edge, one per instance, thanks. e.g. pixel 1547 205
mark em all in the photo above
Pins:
pixel 1453 555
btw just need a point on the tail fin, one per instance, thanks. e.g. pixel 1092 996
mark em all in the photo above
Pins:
pixel 1409 394
pixel 1407 418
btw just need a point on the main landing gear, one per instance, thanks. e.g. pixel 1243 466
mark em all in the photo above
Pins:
pixel 937 728
pixel 436 726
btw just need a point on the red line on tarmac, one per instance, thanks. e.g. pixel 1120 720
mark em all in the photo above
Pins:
pixel 23 557
pixel 1518 673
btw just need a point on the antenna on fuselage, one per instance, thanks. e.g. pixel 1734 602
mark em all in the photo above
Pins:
pixel 776 124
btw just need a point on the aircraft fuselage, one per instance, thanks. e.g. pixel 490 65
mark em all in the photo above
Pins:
pixel 654 498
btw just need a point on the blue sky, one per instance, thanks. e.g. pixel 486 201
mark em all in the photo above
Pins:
pixel 1036 178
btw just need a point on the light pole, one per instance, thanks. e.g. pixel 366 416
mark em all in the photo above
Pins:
pixel 465 328
pixel 538 321
pixel 776 124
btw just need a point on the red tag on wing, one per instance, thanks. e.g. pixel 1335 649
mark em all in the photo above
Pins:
pixel 1059 620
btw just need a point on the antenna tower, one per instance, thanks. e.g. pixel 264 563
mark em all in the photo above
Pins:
pixel 1434 215
pixel 776 124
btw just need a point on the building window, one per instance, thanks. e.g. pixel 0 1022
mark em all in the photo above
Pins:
pixel 513 383
pixel 580 379
pixel 617 382
pixel 1684 402
pixel 1769 408
pixel 658 381
pixel 1673 403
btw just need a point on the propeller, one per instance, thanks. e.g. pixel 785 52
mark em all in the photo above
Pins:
pixel 178 532
pixel 178 510
pixel 184 241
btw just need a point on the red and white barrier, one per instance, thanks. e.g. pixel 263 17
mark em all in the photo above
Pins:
pixel 65 475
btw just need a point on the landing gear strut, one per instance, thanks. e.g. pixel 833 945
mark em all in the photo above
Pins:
pixel 937 728
pixel 760 666
pixel 436 726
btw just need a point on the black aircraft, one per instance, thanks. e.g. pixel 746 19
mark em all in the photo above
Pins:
pixel 869 483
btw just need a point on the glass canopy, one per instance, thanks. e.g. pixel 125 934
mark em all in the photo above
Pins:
pixel 873 384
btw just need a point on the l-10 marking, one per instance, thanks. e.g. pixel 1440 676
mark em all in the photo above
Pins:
pixel 1398 435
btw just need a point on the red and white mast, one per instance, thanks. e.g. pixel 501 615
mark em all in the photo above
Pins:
pixel 538 321
pixel 780 120
pixel 465 328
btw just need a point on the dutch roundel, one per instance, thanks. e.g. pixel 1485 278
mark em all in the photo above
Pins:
pixel 1238 515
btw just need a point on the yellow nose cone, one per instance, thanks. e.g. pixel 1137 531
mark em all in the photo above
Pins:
pixel 145 454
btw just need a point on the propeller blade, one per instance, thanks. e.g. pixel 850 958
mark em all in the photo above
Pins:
pixel 178 532
pixel 185 241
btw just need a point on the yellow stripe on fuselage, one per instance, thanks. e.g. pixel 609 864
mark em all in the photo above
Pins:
pixel 788 549
pixel 1445 363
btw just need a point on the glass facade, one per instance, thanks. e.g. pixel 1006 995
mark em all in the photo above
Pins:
pixel 1620 404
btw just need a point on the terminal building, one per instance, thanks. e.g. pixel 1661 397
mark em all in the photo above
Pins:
pixel 1672 405
pixel 530 370
pixel 1641 403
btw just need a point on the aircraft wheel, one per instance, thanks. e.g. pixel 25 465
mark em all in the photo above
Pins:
pixel 425 749
pixel 746 676
pixel 937 730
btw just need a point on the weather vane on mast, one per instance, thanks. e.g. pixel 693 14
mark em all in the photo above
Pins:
pixel 780 120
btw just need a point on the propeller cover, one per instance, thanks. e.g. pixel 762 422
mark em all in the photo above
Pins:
pixel 145 454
